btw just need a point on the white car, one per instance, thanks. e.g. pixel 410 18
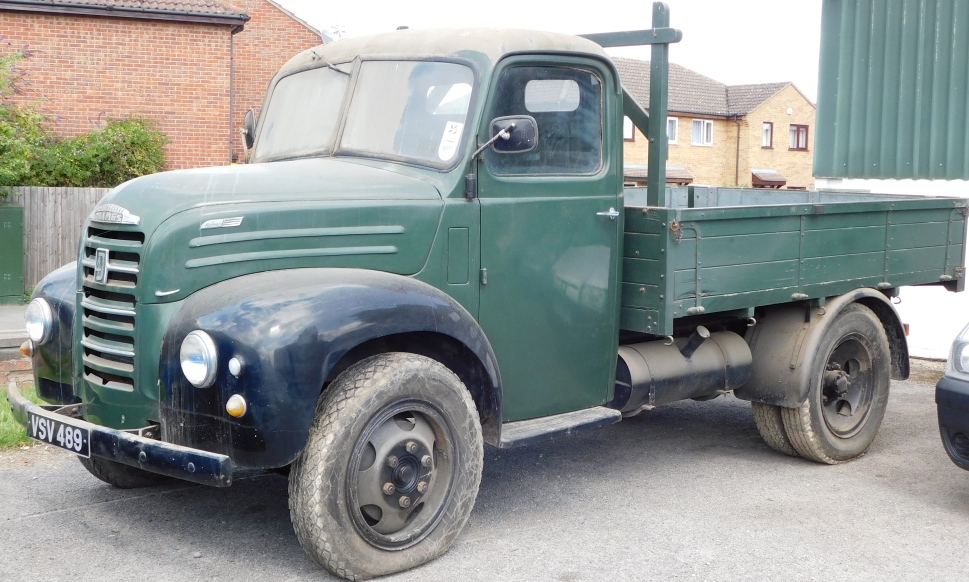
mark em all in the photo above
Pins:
pixel 952 399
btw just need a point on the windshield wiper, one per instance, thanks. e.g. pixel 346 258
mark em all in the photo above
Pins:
pixel 328 65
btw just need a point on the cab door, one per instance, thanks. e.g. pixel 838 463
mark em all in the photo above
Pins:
pixel 551 227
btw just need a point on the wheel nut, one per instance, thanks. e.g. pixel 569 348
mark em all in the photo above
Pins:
pixel 389 489
pixel 426 460
pixel 422 487
pixel 392 461
pixel 411 447
pixel 405 502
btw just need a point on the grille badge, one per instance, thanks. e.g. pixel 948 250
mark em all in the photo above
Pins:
pixel 101 266
pixel 115 214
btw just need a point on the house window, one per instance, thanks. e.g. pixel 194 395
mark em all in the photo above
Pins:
pixel 672 129
pixel 799 137
pixel 702 132
pixel 628 130
pixel 768 140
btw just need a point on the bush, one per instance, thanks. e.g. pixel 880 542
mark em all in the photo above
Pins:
pixel 31 155
pixel 122 150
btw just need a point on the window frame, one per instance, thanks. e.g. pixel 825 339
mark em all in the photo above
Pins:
pixel 795 133
pixel 590 67
pixel 632 129
pixel 676 130
pixel 767 126
pixel 704 123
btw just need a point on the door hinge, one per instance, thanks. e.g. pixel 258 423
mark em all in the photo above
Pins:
pixel 483 276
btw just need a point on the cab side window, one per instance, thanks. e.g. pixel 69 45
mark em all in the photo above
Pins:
pixel 567 106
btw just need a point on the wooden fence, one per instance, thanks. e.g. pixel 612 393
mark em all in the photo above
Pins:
pixel 53 219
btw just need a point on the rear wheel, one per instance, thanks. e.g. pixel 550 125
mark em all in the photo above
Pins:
pixel 390 471
pixel 770 424
pixel 849 393
pixel 120 475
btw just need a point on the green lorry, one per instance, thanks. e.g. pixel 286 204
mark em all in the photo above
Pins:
pixel 431 249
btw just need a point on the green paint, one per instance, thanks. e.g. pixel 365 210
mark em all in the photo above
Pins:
pixel 458 260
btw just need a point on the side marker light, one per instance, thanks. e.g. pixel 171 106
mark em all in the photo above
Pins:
pixel 236 406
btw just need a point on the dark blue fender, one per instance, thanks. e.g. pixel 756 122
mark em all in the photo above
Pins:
pixel 52 361
pixel 295 331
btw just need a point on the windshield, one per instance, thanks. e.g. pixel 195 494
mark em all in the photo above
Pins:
pixel 303 114
pixel 415 110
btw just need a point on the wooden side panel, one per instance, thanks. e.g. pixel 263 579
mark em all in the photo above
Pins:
pixel 647 271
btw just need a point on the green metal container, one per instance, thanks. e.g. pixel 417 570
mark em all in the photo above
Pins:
pixel 11 253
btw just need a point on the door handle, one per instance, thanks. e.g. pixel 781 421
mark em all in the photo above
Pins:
pixel 612 213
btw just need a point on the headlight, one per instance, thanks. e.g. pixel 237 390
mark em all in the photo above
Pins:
pixel 959 357
pixel 199 359
pixel 40 321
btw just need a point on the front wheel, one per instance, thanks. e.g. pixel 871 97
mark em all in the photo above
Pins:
pixel 849 390
pixel 390 471
pixel 120 475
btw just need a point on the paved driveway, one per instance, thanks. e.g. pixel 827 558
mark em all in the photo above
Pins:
pixel 684 492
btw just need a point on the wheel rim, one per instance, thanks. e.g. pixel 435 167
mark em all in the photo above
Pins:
pixel 848 387
pixel 400 475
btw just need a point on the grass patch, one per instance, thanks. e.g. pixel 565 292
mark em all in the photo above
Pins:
pixel 12 434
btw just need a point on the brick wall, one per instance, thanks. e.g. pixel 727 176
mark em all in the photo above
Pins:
pixel 86 69
pixel 270 39
pixel 717 165
pixel 713 165
pixel 796 166
pixel 15 367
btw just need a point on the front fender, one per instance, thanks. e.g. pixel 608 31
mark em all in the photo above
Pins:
pixel 52 362
pixel 290 329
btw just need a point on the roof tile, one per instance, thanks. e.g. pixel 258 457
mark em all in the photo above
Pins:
pixel 691 92
pixel 191 6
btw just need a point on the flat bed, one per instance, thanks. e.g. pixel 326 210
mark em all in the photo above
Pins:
pixel 729 249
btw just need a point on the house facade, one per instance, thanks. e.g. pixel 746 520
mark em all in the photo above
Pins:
pixel 192 66
pixel 759 135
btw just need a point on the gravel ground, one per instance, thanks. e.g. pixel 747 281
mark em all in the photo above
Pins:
pixel 687 491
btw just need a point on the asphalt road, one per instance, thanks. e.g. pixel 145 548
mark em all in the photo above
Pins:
pixel 683 492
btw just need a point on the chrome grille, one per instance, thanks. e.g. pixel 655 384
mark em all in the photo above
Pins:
pixel 109 307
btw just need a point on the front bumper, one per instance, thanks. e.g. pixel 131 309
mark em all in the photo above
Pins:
pixel 952 400
pixel 130 448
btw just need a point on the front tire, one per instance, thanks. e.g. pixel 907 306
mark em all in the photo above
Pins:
pixel 391 469
pixel 849 391
pixel 120 475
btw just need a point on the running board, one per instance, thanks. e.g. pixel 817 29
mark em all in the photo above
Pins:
pixel 526 432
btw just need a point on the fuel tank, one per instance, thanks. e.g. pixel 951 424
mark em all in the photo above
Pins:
pixel 701 366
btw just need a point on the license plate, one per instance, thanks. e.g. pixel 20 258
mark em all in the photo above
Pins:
pixel 59 434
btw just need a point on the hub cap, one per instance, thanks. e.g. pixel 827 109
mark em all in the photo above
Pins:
pixel 847 388
pixel 400 475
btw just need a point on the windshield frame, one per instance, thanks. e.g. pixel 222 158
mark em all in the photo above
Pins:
pixel 326 149
pixel 335 149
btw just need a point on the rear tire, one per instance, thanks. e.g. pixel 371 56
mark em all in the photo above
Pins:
pixel 849 393
pixel 120 475
pixel 770 424
pixel 391 469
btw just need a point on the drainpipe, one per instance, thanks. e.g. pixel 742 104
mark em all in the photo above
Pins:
pixel 232 82
pixel 736 165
